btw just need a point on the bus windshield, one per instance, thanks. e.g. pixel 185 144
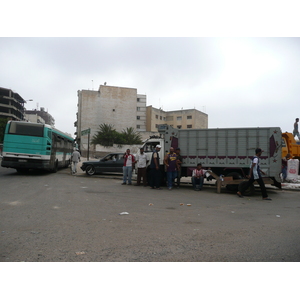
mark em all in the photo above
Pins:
pixel 26 129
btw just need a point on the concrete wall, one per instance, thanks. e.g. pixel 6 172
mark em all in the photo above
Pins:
pixel 118 106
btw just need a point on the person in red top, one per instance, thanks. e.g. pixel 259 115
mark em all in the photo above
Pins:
pixel 198 177
pixel 129 160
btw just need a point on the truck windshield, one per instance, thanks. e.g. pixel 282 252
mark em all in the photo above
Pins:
pixel 26 129
pixel 150 146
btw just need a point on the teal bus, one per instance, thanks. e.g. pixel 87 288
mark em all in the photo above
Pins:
pixel 39 146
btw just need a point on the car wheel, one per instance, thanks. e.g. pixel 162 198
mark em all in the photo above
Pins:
pixel 90 170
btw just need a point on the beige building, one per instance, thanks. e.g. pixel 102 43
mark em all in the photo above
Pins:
pixel 182 119
pixel 118 106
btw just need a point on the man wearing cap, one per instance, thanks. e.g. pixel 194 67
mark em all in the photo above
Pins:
pixel 155 175
pixel 141 161
pixel 255 176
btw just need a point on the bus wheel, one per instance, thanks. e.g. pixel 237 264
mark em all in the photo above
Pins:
pixel 249 191
pixel 55 168
pixel 22 170
pixel 90 170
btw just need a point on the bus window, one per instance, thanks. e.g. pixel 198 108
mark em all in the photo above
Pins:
pixel 26 129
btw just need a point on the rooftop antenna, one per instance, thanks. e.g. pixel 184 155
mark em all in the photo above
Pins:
pixel 92 85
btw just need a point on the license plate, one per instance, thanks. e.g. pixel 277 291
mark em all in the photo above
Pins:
pixel 22 160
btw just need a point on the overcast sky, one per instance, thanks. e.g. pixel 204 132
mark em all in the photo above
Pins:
pixel 238 82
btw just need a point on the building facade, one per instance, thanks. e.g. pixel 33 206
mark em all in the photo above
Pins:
pixel 33 117
pixel 181 119
pixel 11 105
pixel 119 106
pixel 39 116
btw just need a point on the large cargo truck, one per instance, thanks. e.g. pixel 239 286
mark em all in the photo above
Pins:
pixel 226 151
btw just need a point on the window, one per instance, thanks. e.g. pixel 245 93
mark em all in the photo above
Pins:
pixel 156 116
pixel 138 108
pixel 189 126
pixel 138 99
pixel 26 129
pixel 179 126
pixel 150 146
pixel 138 117
pixel 138 126
pixel 160 117
pixel 189 117
pixel 179 118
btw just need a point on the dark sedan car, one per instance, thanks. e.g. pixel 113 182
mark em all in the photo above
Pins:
pixel 111 163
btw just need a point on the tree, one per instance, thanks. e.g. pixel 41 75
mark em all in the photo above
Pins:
pixel 106 135
pixel 131 137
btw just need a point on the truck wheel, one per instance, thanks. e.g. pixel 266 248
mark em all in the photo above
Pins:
pixel 234 175
pixel 233 187
pixel 90 170
pixel 249 191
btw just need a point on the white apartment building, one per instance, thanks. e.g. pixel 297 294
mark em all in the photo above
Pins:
pixel 118 106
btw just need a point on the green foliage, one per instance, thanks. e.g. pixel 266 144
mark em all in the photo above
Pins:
pixel 107 136
pixel 3 122
pixel 131 137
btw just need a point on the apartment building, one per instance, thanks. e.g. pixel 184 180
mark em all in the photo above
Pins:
pixel 181 119
pixel 120 106
pixel 39 116
pixel 11 105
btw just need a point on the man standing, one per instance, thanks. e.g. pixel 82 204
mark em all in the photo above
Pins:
pixel 155 175
pixel 179 162
pixel 141 160
pixel 296 131
pixel 127 167
pixel 255 176
pixel 170 162
pixel 75 158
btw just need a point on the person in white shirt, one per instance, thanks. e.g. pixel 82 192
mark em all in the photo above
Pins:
pixel 75 158
pixel 141 163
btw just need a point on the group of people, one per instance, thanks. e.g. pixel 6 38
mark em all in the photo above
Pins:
pixel 172 163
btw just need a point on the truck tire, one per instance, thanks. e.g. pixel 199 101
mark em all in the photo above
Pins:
pixel 233 187
pixel 249 191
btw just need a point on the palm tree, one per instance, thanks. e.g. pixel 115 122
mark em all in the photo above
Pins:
pixel 106 135
pixel 131 137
